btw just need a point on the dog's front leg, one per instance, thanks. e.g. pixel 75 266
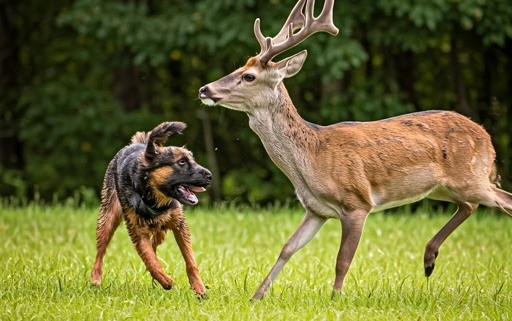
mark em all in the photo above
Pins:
pixel 143 245
pixel 182 236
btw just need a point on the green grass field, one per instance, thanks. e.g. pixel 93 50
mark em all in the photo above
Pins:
pixel 46 255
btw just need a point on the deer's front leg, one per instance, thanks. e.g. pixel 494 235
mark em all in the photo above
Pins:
pixel 309 226
pixel 352 224
pixel 182 236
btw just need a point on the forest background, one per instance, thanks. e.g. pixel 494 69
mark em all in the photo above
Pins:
pixel 78 78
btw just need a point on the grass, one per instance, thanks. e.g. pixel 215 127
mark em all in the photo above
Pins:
pixel 46 254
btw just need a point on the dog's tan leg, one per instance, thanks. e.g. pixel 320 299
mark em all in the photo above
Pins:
pixel 182 236
pixel 158 238
pixel 109 218
pixel 143 244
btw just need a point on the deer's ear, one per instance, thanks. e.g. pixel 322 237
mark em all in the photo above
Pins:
pixel 291 66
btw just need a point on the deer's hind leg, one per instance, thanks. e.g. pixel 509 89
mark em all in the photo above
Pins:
pixel 464 211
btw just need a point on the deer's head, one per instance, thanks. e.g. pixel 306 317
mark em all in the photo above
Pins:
pixel 255 84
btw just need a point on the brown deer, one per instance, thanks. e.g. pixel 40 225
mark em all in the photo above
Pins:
pixel 350 169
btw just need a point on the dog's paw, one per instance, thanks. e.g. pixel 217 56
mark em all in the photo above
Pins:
pixel 200 292
pixel 96 278
pixel 199 289
pixel 167 284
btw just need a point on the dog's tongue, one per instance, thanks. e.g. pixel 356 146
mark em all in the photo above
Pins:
pixel 188 193
pixel 197 189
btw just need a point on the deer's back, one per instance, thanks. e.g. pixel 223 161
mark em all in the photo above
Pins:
pixel 444 137
pixel 411 156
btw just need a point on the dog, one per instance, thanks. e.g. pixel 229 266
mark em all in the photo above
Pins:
pixel 146 184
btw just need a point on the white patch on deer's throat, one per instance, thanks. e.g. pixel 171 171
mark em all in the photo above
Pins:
pixel 207 101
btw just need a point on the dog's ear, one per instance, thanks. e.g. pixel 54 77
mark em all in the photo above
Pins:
pixel 159 135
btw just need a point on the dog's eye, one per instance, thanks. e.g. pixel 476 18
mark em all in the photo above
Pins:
pixel 182 162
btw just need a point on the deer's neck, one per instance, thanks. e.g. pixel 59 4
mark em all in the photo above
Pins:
pixel 289 140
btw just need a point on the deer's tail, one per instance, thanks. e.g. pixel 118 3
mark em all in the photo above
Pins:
pixel 503 200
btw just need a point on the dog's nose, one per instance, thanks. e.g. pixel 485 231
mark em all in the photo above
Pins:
pixel 203 92
pixel 208 175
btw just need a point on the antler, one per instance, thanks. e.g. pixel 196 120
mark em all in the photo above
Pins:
pixel 308 25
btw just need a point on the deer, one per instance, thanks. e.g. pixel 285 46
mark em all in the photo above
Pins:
pixel 348 170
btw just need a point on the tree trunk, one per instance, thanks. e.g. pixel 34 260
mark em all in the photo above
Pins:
pixel 213 165
pixel 127 86
pixel 11 155
pixel 458 79
pixel 406 76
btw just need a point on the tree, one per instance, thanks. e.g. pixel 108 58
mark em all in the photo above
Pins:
pixel 78 78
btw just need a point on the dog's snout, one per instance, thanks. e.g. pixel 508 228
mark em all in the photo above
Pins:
pixel 208 175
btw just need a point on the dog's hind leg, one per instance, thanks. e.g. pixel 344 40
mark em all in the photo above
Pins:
pixel 110 217
pixel 182 236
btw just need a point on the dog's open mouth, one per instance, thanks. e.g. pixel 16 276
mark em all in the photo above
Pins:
pixel 186 194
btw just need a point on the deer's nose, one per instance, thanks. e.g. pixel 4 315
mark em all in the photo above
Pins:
pixel 203 91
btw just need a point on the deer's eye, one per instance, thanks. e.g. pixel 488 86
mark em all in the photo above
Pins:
pixel 249 77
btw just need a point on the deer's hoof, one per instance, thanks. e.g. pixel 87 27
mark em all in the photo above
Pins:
pixel 429 269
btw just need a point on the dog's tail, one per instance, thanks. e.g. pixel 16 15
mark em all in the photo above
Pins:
pixel 158 136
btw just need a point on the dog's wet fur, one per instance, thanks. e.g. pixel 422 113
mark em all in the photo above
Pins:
pixel 146 184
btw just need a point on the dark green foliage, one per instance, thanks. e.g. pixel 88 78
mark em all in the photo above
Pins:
pixel 78 78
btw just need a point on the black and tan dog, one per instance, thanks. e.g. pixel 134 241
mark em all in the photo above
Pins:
pixel 146 185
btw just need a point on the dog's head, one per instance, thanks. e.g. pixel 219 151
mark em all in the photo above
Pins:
pixel 171 173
